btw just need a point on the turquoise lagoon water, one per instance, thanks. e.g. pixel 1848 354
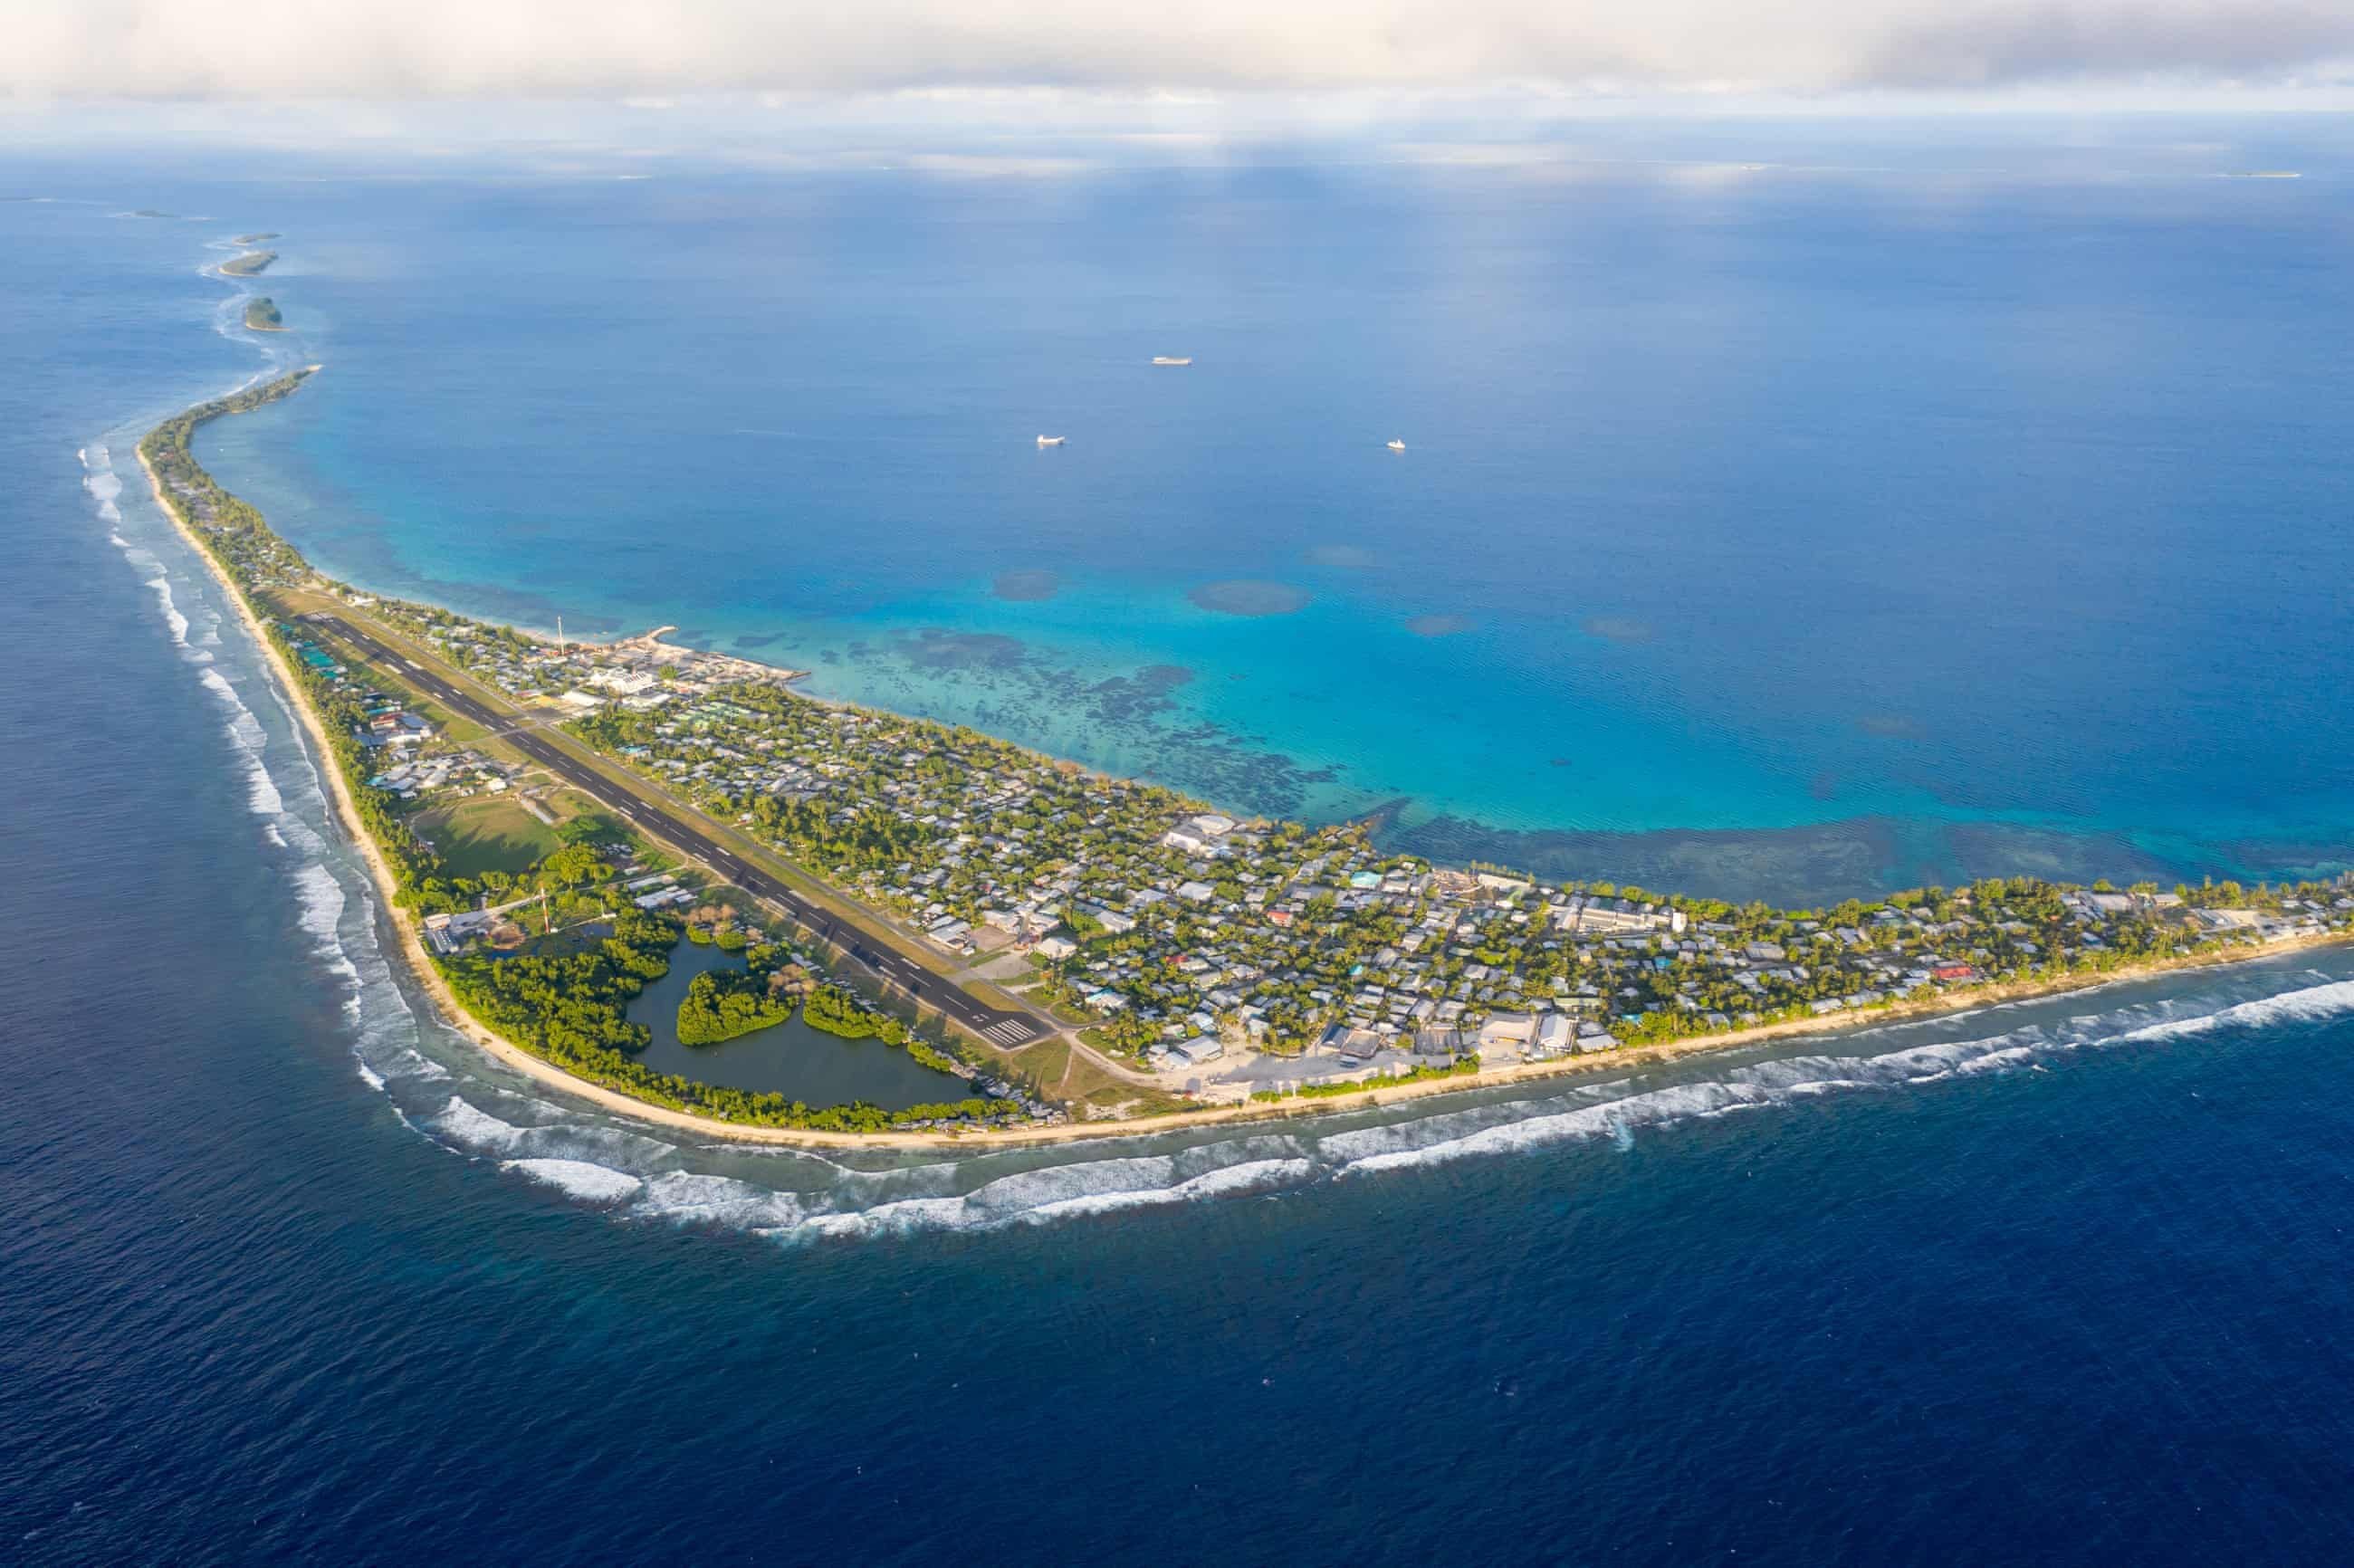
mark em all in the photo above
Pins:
pixel 1779 532
pixel 294 1274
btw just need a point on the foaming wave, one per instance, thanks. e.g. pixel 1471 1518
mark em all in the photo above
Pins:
pixel 1913 1064
pixel 687 1197
pixel 105 486
pixel 160 586
pixel 465 1123
pixel 462 1123
pixel 318 782
pixel 1064 1192
pixel 1455 1134
pixel 635 1176
pixel 385 1031
pixel 415 1064
pixel 243 727
pixel 579 1179
pixel 1999 1061
pixel 102 483
pixel 384 1043
pixel 261 790
pixel 2307 1005
pixel 1409 1144
pixel 157 579
pixel 321 900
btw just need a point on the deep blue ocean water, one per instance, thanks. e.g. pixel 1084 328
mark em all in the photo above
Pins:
pixel 1777 531
pixel 289 1274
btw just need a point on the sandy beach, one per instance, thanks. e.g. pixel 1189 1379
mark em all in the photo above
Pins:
pixel 410 944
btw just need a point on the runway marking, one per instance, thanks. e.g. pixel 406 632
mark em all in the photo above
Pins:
pixel 890 969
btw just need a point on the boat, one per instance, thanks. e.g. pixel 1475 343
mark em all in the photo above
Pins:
pixel 1398 446
pixel 1050 440
pixel 1172 359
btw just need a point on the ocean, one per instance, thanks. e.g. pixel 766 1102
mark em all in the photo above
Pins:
pixel 292 1274
pixel 1782 533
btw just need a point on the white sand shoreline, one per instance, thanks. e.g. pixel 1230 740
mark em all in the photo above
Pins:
pixel 409 943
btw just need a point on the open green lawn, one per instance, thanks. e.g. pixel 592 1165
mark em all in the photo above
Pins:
pixel 456 730
pixel 981 990
pixel 486 832
pixel 874 928
pixel 1062 1073
pixel 566 805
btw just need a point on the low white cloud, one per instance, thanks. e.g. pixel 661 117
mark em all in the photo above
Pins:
pixel 648 50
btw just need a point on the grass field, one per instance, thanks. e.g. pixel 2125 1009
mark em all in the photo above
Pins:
pixel 876 928
pixel 487 832
pixel 983 993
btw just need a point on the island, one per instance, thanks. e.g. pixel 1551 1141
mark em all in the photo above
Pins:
pixel 261 239
pixel 720 1007
pixel 261 315
pixel 1093 956
pixel 252 264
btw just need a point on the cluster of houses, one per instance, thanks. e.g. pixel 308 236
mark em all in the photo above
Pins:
pixel 1201 941
pixel 385 721
pixel 411 770
pixel 397 737
pixel 638 673
pixel 1233 954
pixel 452 933
pixel 661 891
pixel 442 776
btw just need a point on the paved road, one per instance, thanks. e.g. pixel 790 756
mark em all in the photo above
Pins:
pixel 942 995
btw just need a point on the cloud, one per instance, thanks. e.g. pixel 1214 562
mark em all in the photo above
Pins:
pixel 648 51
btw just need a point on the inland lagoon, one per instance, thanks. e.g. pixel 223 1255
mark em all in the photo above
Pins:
pixel 295 1273
pixel 789 1058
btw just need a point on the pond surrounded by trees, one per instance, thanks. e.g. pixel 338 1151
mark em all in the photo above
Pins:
pixel 789 1058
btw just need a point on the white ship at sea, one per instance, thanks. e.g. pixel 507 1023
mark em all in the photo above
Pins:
pixel 1050 440
pixel 1398 446
pixel 1172 359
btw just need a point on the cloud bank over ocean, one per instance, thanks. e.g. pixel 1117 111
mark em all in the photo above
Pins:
pixel 275 49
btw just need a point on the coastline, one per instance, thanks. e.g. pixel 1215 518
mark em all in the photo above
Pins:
pixel 409 943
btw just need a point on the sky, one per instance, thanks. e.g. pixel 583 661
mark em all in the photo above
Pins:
pixel 784 50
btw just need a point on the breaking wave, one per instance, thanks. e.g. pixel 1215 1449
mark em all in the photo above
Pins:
pixel 1414 1143
pixel 322 902
pixel 172 616
pixel 442 1089
pixel 1066 1192
pixel 103 484
pixel 578 1178
pixel 798 1196
pixel 333 905
pixel 2309 1005
pixel 262 793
